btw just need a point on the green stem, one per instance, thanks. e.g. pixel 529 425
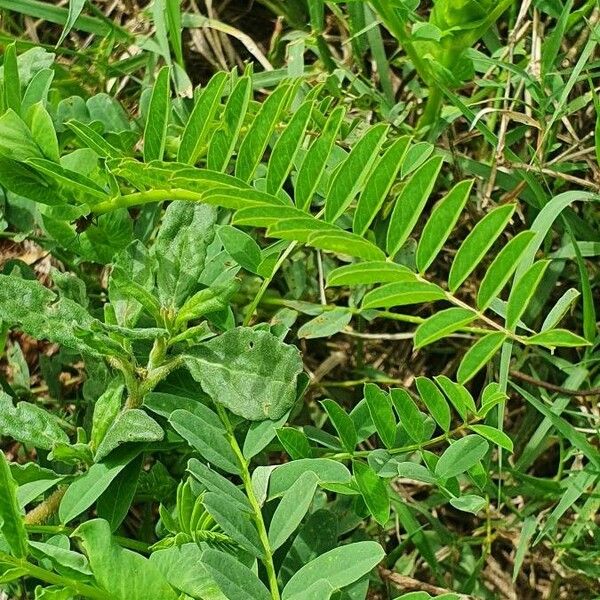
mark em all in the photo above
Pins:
pixel 433 106
pixel 146 197
pixel 36 572
pixel 257 513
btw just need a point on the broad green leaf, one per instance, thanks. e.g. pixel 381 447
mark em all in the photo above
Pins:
pixel 291 510
pixel 479 355
pixel 255 141
pixel 79 184
pixel 494 435
pixel 12 83
pixel 319 590
pixel 132 425
pixel 502 267
pixel 460 456
pixel 62 558
pixel 326 469
pixel 234 522
pixel 223 140
pixel 37 89
pixel 193 139
pixel 557 338
pixel 297 228
pixel 75 8
pixel 560 309
pixel 206 436
pixel 214 482
pixel 378 185
pixel 43 132
pixel 402 294
pixel 208 300
pixel 260 434
pixel 252 373
pixel 442 324
pixel 352 173
pixel 180 250
pixel 408 413
pixel 124 574
pixel 327 324
pixel 434 401
pixel 458 395
pixel 523 291
pixel 242 248
pixel 345 243
pixel 380 408
pixel 469 503
pixel 93 140
pixel 315 161
pixel 342 422
pixel 22 180
pixel 294 442
pixel 365 273
pixel 415 471
pixel 443 218
pixel 155 131
pixel 106 410
pixel 477 243
pixel 374 491
pixel 286 147
pixel 265 215
pixel 410 204
pixel 234 578
pixel 11 520
pixel 16 141
pixel 87 488
pixel 30 424
pixel 182 567
pixel 340 567
pixel 416 155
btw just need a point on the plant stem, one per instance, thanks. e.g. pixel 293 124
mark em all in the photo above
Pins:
pixel 43 511
pixel 257 513
pixel 433 107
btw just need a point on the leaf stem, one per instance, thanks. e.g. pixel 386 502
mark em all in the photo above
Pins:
pixel 257 513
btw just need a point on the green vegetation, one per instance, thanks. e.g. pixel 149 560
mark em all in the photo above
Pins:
pixel 298 300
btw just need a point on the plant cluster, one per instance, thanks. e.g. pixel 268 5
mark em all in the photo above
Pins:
pixel 319 325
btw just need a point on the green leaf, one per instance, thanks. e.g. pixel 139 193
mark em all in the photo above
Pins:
pixel 11 519
pixel 374 491
pixel 242 248
pixel 235 523
pixel 477 243
pixel 378 185
pixel 255 141
pixel 434 401
pixel 364 273
pixel 417 154
pixel 408 413
pixel 93 140
pixel 124 574
pixel 479 355
pixel 260 434
pixel 223 140
pixel 206 301
pixel 319 590
pixel 252 373
pixel 342 422
pixel 402 294
pixel 327 324
pixel 12 83
pixel 316 158
pixel 64 560
pixel 291 510
pixel 527 531
pixel 410 204
pixel 87 488
pixel 207 436
pixel 286 148
pixel 132 425
pixel 415 471
pixel 461 456
pixel 75 8
pixel 24 181
pixel 560 309
pixel 180 249
pixel 193 139
pixel 30 424
pixel 502 267
pixel 214 482
pixel 106 410
pixel 155 131
pixel 294 442
pixel 42 130
pixel 340 567
pixel 352 173
pixel 380 408
pixel 458 395
pixel 523 291
pixel 469 503
pixel 557 338
pixel 345 243
pixel 442 324
pixel 16 141
pixel 494 435
pixel 234 578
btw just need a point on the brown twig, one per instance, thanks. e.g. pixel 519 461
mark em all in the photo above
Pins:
pixel 554 388
pixel 409 584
